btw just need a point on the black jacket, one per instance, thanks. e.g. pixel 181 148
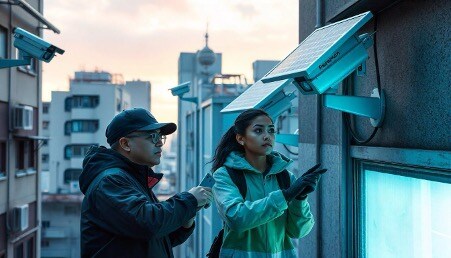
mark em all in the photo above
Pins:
pixel 121 216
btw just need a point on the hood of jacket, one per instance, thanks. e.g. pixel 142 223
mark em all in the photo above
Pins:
pixel 279 162
pixel 98 159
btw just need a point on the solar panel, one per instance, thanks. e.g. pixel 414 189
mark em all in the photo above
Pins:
pixel 255 95
pixel 317 50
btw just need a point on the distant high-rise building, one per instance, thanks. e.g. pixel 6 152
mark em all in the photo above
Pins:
pixel 262 67
pixel 77 120
pixel 200 128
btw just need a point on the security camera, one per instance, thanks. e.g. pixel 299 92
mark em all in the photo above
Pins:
pixel 30 46
pixel 33 46
pixel 325 57
pixel 270 97
pixel 181 89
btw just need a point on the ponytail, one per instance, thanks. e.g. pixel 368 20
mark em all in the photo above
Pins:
pixel 227 144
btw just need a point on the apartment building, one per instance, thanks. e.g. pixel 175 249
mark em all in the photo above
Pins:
pixel 77 119
pixel 20 133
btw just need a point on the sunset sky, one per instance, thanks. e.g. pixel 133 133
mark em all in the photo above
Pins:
pixel 142 39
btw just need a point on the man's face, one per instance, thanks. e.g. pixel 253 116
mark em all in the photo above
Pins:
pixel 145 147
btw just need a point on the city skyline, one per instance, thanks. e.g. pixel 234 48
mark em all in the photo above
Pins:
pixel 145 39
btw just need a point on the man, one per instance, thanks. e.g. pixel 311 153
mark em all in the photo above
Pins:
pixel 121 216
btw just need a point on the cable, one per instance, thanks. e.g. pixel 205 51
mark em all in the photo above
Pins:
pixel 290 151
pixel 376 60
pixel 347 83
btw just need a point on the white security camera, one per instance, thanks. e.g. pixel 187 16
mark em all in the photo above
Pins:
pixel 181 89
pixel 30 46
pixel 33 46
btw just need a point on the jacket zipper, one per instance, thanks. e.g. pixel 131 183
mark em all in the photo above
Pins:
pixel 266 224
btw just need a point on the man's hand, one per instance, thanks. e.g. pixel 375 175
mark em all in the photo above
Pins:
pixel 203 195
pixel 189 223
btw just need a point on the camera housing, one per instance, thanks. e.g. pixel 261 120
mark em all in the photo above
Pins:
pixel 181 89
pixel 32 46
pixel 327 56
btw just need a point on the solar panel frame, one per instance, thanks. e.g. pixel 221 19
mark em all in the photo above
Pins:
pixel 311 70
pixel 255 94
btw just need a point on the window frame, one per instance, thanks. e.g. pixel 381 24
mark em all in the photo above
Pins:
pixel 421 164
pixel 72 171
pixel 84 125
pixel 45 125
pixel 85 101
pixel 31 69
pixel 3 158
pixel 26 162
pixel 45 158
pixel 4 32
pixel 69 150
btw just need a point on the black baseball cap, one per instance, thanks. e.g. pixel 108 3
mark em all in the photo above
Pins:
pixel 136 119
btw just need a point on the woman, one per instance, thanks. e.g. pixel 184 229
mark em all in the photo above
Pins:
pixel 261 223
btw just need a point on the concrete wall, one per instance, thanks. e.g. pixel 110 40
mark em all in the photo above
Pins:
pixel 414 60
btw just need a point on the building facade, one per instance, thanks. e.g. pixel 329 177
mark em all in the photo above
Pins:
pixel 77 120
pixel 20 134
pixel 389 197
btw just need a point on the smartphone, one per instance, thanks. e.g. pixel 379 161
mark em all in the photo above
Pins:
pixel 207 181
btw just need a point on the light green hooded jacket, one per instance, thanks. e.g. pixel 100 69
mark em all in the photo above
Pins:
pixel 262 224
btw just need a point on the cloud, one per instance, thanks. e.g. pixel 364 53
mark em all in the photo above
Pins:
pixel 246 10
pixel 142 39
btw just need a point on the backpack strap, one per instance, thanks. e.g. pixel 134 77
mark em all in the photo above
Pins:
pixel 238 179
pixel 237 176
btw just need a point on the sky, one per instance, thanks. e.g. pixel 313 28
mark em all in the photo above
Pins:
pixel 142 39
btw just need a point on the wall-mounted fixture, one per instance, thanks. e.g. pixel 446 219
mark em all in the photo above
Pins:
pixel 30 46
pixel 324 59
pixel 181 89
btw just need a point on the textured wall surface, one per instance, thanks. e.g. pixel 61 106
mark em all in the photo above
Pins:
pixel 414 52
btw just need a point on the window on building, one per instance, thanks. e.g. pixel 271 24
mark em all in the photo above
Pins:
pixel 118 105
pixel 71 174
pixel 25 155
pixel 45 223
pixel 85 101
pixel 45 243
pixel 45 125
pixel 31 68
pixel 45 108
pixel 30 248
pixel 76 150
pixel 404 212
pixel 67 127
pixel 84 126
pixel 2 158
pixel 3 43
pixel 18 251
pixel 45 158
pixel 25 248
pixel 68 104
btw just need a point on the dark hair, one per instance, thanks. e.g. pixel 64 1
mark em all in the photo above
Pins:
pixel 228 141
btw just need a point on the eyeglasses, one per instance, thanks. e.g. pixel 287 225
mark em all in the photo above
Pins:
pixel 155 137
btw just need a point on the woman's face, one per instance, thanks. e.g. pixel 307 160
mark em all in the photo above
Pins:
pixel 259 136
